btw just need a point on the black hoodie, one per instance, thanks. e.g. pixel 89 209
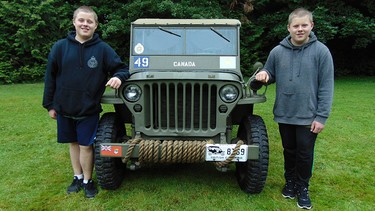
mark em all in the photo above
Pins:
pixel 77 73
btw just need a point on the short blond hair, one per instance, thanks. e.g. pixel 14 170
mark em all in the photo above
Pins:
pixel 86 9
pixel 300 12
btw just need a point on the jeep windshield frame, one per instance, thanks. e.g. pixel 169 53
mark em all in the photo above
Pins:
pixel 185 41
pixel 185 46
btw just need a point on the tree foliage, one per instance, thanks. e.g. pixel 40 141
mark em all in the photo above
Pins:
pixel 30 27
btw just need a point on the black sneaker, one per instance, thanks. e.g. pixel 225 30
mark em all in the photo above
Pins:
pixel 90 189
pixel 289 190
pixel 75 186
pixel 304 201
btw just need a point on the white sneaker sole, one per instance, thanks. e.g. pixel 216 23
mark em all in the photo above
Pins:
pixel 304 207
pixel 288 197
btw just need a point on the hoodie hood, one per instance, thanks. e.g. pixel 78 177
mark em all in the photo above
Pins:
pixel 297 49
pixel 288 44
pixel 95 39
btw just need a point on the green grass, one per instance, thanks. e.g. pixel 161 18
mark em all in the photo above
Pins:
pixel 35 170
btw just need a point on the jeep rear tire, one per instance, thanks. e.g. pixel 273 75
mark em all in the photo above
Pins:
pixel 251 175
pixel 109 171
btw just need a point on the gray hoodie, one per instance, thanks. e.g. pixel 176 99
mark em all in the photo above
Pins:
pixel 304 77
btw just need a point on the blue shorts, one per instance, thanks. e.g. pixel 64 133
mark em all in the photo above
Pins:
pixel 81 130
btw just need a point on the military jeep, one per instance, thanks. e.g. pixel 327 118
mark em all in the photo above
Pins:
pixel 184 99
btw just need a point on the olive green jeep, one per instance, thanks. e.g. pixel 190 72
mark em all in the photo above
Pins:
pixel 185 96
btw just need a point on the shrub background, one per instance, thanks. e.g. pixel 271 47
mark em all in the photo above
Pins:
pixel 30 27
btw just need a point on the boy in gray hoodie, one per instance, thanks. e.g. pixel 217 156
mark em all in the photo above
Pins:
pixel 302 68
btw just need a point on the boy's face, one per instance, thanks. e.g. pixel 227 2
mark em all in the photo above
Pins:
pixel 85 26
pixel 300 29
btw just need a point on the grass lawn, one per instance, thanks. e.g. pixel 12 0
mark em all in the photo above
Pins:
pixel 35 170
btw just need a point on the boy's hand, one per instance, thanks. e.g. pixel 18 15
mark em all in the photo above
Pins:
pixel 52 113
pixel 114 83
pixel 262 76
pixel 316 127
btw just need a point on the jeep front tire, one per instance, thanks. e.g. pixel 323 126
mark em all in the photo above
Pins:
pixel 251 175
pixel 109 171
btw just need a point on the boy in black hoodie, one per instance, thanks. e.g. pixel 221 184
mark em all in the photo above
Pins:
pixel 77 72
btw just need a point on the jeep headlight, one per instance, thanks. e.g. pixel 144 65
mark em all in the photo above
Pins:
pixel 228 93
pixel 132 93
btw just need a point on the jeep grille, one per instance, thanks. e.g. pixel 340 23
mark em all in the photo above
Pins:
pixel 176 107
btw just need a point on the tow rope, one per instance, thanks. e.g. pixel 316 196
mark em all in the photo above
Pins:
pixel 174 151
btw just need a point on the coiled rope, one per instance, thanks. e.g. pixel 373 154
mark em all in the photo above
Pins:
pixel 174 151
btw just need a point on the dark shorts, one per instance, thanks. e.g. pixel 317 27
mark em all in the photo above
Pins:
pixel 81 130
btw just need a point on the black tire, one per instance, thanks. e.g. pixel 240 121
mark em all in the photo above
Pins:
pixel 252 174
pixel 109 171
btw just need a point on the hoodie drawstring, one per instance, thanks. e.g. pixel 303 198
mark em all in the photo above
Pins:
pixel 300 61
pixel 291 63
pixel 302 49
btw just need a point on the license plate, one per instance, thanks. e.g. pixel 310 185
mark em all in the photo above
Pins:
pixel 220 152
